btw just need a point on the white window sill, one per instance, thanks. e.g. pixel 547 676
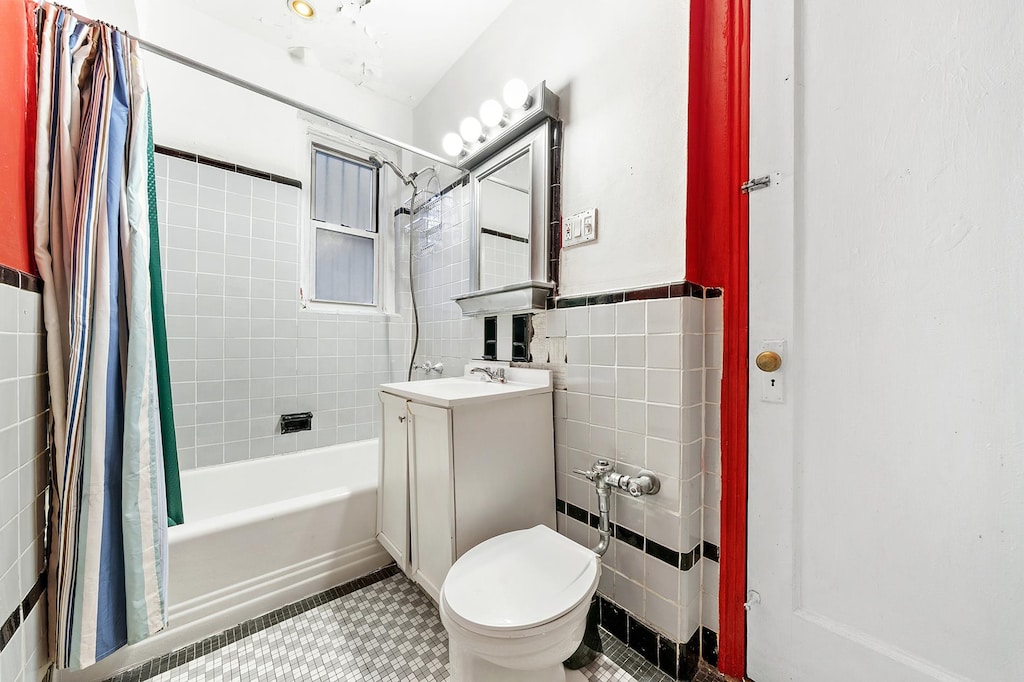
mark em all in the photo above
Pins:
pixel 345 309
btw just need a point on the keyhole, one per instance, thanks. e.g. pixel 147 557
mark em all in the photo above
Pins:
pixel 773 383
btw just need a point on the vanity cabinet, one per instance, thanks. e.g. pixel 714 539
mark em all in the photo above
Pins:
pixel 455 472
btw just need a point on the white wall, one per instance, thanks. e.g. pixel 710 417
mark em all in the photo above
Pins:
pixel 621 74
pixel 201 114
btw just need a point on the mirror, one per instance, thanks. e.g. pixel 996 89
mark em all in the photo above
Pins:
pixel 511 193
pixel 504 227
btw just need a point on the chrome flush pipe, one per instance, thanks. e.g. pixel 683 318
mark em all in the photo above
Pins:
pixel 605 478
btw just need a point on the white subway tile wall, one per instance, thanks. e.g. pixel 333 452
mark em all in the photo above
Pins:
pixel 23 477
pixel 634 394
pixel 242 349
pixel 441 269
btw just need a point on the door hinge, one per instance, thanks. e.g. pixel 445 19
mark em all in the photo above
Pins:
pixel 763 182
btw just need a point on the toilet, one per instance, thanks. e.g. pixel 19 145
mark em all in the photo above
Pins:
pixel 515 607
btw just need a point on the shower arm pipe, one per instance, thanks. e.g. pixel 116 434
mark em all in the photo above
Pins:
pixel 173 56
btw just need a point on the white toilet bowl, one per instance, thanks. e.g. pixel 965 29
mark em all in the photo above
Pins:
pixel 515 606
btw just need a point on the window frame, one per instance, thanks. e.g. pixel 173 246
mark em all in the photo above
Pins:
pixel 310 299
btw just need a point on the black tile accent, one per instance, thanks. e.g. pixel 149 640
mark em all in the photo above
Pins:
pixel 648 293
pixel 689 657
pixel 574 512
pixel 31 283
pixel 711 551
pixel 21 611
pixel 521 334
pixel 690 559
pixel 669 556
pixel 227 165
pixel 615 620
pixel 643 640
pixel 9 627
pixel 712 293
pixel 574 302
pixel 673 290
pixel 668 656
pixel 604 299
pixel 490 338
pixel 560 506
pixel 156 666
pixel 504 235
pixel 10 276
pixel 709 646
pixel 630 537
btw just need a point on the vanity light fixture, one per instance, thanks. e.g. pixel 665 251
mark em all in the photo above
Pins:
pixel 492 114
pixel 516 94
pixel 303 8
pixel 523 109
pixel 453 144
pixel 471 130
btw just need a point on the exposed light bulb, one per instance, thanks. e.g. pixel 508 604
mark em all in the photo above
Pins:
pixel 491 113
pixel 516 94
pixel 303 8
pixel 452 144
pixel 471 130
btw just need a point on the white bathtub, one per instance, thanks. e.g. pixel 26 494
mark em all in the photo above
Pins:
pixel 259 535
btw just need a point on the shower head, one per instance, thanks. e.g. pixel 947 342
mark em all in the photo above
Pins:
pixel 379 161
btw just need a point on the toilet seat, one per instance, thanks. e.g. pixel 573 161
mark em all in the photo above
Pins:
pixel 519 581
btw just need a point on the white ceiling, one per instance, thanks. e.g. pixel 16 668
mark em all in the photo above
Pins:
pixel 397 48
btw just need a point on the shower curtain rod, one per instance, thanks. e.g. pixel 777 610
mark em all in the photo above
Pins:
pixel 258 89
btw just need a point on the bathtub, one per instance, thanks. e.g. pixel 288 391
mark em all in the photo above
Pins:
pixel 259 535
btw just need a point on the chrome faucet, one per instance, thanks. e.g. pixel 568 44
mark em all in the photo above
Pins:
pixel 497 374
pixel 429 368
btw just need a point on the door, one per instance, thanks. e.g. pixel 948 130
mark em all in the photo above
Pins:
pixel 433 498
pixel 886 462
pixel 393 492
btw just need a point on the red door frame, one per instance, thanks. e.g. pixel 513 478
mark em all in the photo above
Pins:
pixel 716 255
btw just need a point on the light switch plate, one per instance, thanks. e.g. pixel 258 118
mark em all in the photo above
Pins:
pixel 580 228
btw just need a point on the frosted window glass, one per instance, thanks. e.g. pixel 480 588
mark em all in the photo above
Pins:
pixel 344 267
pixel 343 192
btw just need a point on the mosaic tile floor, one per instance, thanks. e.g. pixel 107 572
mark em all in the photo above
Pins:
pixel 386 631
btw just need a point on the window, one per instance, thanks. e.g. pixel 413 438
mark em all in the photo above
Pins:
pixel 343 217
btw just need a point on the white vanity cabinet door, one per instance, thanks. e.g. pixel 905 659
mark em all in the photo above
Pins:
pixel 393 491
pixel 431 495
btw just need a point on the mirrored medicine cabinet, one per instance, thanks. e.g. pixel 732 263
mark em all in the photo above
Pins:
pixel 511 216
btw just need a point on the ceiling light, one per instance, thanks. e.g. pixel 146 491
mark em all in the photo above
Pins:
pixel 471 130
pixel 516 94
pixel 491 113
pixel 303 8
pixel 452 144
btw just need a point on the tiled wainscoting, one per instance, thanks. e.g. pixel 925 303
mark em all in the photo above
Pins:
pixel 637 382
pixel 24 462
pixel 242 349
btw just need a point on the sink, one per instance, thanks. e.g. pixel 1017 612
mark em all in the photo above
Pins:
pixel 472 388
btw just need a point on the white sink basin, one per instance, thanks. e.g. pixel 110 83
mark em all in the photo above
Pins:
pixel 472 388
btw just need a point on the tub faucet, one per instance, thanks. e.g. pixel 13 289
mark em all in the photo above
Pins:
pixel 497 375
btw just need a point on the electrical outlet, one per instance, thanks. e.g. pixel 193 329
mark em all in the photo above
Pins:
pixel 580 228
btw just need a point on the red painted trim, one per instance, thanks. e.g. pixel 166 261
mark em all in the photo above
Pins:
pixel 17 132
pixel 716 255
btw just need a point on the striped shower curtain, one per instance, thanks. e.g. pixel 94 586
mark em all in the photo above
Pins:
pixel 94 215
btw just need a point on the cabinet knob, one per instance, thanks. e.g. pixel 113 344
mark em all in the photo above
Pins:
pixel 401 417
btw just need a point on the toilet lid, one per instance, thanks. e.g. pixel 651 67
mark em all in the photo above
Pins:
pixel 520 580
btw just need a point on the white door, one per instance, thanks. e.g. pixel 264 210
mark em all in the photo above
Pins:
pixel 393 488
pixel 886 500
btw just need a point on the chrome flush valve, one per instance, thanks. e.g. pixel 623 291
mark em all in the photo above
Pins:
pixel 605 478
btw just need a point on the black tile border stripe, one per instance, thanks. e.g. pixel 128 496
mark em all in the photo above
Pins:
pixel 683 561
pixel 504 235
pixel 21 611
pixel 180 657
pixel 712 551
pixel 20 280
pixel 673 290
pixel 680 660
pixel 226 165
